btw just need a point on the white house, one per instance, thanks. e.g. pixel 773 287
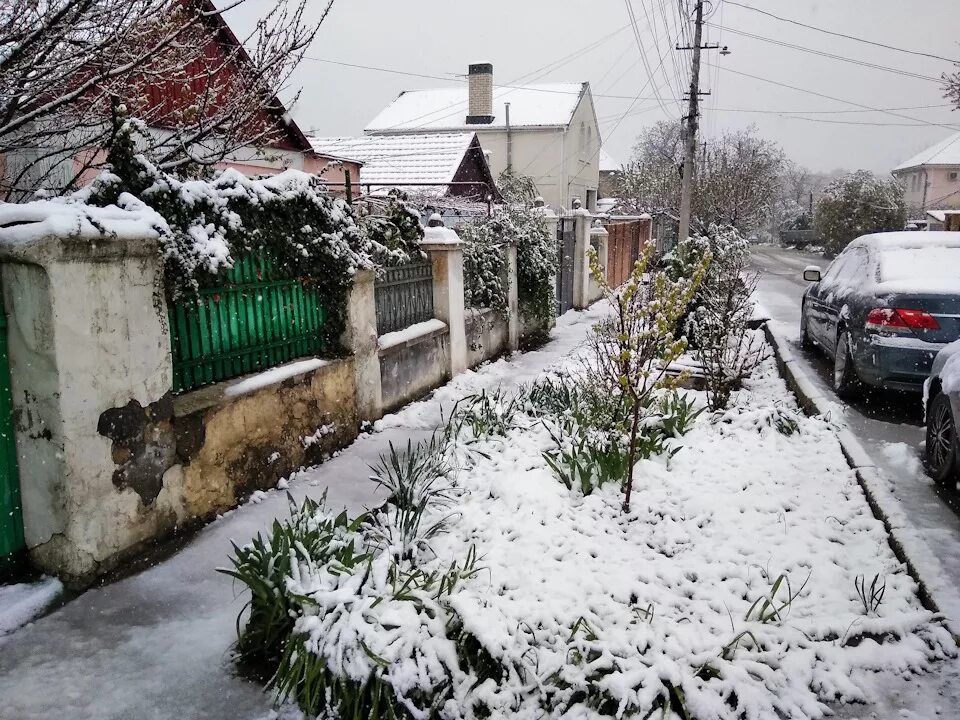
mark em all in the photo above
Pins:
pixel 932 178
pixel 548 132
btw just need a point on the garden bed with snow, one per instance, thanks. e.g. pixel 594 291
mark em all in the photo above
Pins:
pixel 748 580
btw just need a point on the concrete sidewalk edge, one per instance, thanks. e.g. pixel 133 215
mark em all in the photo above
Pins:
pixel 909 548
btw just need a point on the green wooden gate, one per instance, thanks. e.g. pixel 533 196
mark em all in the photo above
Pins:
pixel 11 516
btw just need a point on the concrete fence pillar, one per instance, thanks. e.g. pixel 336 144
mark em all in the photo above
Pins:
pixel 89 348
pixel 360 338
pixel 599 240
pixel 446 255
pixel 581 262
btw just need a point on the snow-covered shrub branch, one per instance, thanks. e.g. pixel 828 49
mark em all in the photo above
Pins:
pixel 634 348
pixel 485 260
pixel 204 225
pixel 727 348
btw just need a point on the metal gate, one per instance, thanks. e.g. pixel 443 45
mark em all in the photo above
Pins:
pixel 566 240
pixel 11 517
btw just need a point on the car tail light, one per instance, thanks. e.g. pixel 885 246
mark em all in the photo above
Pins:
pixel 900 320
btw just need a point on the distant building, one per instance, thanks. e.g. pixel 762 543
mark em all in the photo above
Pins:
pixel 932 178
pixel 441 164
pixel 609 171
pixel 548 132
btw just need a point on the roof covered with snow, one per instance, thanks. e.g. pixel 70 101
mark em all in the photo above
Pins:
pixel 607 163
pixel 395 159
pixel 549 105
pixel 945 152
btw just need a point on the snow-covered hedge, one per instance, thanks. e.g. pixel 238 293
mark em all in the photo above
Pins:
pixel 857 204
pixel 205 224
pixel 485 588
pixel 485 260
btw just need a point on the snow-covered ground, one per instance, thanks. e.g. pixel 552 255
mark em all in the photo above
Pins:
pixel 22 602
pixel 155 646
pixel 636 606
pixel 710 532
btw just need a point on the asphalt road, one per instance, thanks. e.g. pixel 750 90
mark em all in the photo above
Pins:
pixel 884 421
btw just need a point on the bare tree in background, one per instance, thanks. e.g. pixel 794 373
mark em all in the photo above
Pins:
pixel 70 68
pixel 737 177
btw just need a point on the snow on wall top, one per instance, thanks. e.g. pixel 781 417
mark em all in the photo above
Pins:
pixel 392 159
pixel 25 222
pixel 945 152
pixel 548 105
pixel 607 163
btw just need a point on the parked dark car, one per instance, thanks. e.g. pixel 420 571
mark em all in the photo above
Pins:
pixel 942 410
pixel 884 308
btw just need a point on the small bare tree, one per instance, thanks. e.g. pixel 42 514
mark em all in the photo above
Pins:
pixel 635 348
pixel 69 68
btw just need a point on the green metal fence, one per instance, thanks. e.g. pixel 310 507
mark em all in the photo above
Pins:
pixel 11 517
pixel 257 319
pixel 404 296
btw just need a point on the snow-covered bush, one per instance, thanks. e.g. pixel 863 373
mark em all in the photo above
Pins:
pixel 857 204
pixel 204 225
pixel 726 347
pixel 393 226
pixel 485 260
pixel 484 265
pixel 635 347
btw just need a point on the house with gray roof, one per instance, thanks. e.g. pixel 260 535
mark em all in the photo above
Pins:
pixel 548 132
pixel 441 164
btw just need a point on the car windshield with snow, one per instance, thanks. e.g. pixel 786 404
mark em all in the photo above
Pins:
pixel 884 308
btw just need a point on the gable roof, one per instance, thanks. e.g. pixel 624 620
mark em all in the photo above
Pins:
pixel 607 163
pixel 293 136
pixel 549 105
pixel 945 152
pixel 389 160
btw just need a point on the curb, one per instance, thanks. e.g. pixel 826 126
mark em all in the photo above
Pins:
pixel 908 547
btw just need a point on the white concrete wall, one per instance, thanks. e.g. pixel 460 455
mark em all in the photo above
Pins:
pixel 85 336
pixel 561 166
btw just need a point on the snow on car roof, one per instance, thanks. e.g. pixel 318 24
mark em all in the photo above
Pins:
pixel 910 239
pixel 548 105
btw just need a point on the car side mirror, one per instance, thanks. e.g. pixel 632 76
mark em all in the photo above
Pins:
pixel 811 273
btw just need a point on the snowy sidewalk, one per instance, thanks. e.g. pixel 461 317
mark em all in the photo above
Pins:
pixel 156 645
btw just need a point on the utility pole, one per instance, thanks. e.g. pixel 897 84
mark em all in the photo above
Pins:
pixel 690 136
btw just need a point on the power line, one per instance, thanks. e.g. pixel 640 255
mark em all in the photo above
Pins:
pixel 643 54
pixel 836 99
pixel 832 56
pixel 842 35
pixel 767 111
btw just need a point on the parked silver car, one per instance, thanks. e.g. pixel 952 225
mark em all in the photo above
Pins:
pixel 884 308
pixel 942 406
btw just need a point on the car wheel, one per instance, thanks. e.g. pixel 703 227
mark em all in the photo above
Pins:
pixel 845 381
pixel 940 456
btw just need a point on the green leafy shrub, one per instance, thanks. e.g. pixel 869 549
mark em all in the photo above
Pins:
pixel 264 565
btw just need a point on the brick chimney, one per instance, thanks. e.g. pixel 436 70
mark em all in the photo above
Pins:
pixel 480 110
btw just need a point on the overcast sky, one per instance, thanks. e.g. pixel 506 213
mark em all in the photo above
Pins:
pixel 526 39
